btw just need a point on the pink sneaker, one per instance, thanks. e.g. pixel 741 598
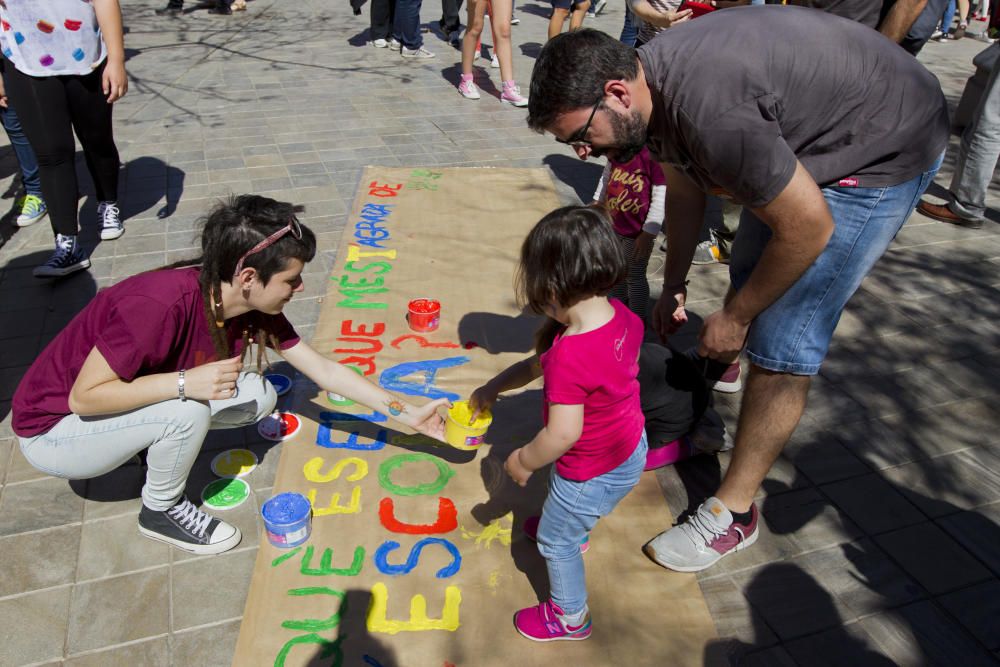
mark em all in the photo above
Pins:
pixel 543 623
pixel 531 532
pixel 512 95
pixel 468 89
pixel 723 378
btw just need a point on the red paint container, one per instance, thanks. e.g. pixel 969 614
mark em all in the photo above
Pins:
pixel 424 314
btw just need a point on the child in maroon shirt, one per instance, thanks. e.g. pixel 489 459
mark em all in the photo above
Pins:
pixel 634 193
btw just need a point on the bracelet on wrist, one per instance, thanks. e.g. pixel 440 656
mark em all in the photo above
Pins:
pixel 180 385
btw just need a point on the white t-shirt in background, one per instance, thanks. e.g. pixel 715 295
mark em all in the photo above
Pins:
pixel 51 37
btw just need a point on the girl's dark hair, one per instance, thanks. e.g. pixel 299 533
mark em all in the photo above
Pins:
pixel 572 253
pixel 230 229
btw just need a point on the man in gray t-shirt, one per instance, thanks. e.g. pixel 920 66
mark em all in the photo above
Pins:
pixel 824 130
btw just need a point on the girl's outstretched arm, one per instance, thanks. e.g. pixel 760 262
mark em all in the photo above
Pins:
pixel 562 431
pixel 512 377
pixel 331 376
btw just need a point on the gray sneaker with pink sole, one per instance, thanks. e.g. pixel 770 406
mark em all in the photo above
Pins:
pixel 698 543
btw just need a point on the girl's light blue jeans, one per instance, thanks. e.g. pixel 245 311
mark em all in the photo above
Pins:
pixel 570 513
pixel 173 431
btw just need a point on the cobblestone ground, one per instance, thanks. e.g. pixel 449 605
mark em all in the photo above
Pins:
pixel 881 519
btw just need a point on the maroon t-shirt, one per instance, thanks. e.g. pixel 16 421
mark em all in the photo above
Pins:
pixel 150 323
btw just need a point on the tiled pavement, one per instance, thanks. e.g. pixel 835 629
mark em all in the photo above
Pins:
pixel 881 538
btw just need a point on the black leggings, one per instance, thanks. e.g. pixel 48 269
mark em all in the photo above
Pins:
pixel 50 109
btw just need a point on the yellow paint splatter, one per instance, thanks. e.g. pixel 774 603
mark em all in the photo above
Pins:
pixel 494 581
pixel 496 530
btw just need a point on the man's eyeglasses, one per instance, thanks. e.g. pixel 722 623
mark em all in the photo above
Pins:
pixel 577 139
pixel 292 227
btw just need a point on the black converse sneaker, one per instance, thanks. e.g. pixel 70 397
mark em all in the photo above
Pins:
pixel 187 527
pixel 68 258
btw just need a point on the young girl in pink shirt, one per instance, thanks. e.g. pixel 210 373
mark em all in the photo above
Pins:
pixel 587 353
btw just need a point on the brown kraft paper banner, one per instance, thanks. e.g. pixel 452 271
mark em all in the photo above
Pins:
pixel 416 556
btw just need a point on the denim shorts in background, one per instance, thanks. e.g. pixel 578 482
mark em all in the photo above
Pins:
pixel 793 334
pixel 566 4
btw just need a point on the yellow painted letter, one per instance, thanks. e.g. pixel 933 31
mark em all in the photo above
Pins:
pixel 377 621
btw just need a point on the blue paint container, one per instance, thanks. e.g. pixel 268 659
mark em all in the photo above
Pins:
pixel 287 519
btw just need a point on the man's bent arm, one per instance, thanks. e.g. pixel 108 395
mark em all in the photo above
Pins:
pixel 685 211
pixel 900 19
pixel 801 224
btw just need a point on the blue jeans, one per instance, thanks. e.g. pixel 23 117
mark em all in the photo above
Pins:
pixel 25 155
pixel 949 15
pixel 630 31
pixel 793 334
pixel 570 512
pixel 406 24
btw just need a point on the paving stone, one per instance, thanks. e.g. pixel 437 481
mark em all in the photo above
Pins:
pixel 809 520
pixel 38 560
pixel 945 484
pixel 9 379
pixel 25 323
pixel 152 653
pixel 134 245
pixel 978 531
pixel 117 493
pixel 820 456
pixel 18 352
pixel 873 503
pixel 130 265
pixel 118 610
pixel 921 634
pixel 904 391
pixel 861 578
pixel 6 446
pixel 978 609
pixel 208 590
pixel 921 434
pixel 19 470
pixel 830 405
pixel 111 547
pixel 790 601
pixel 212 645
pixel 931 557
pixel 734 618
pixel 33 627
pixel 44 503
pixel 849 644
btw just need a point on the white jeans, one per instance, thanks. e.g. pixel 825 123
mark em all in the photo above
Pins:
pixel 173 431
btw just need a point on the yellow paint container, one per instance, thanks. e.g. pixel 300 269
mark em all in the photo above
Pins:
pixel 461 431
